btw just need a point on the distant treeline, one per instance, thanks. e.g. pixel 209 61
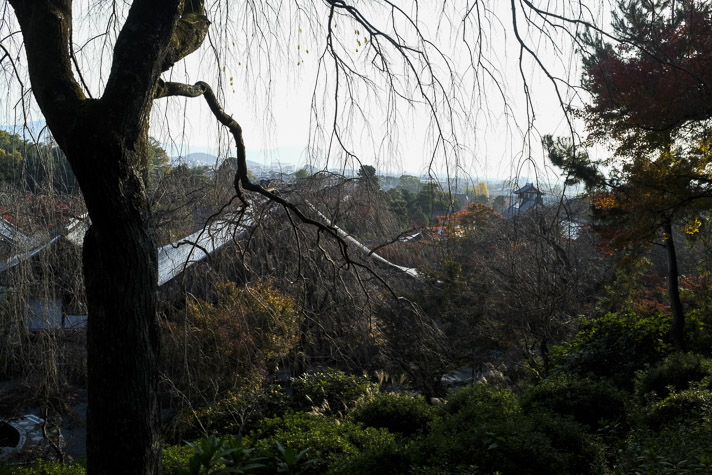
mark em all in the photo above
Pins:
pixel 34 167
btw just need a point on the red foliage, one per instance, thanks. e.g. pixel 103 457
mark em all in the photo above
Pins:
pixel 663 82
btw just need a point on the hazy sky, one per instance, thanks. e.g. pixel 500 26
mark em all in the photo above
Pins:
pixel 275 73
pixel 492 138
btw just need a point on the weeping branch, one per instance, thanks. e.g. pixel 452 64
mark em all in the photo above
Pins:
pixel 242 181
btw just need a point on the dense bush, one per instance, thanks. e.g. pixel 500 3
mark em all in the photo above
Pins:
pixel 234 413
pixel 677 371
pixel 615 346
pixel 330 391
pixel 580 451
pixel 677 448
pixel 213 455
pixel 232 343
pixel 485 427
pixel 692 405
pixel 48 468
pixel 698 324
pixel 219 455
pixel 175 457
pixel 332 441
pixel 588 401
pixel 403 414
pixel 388 457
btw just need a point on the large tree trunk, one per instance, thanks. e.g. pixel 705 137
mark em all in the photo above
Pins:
pixel 121 276
pixel 677 330
pixel 106 141
pixel 123 420
pixel 120 268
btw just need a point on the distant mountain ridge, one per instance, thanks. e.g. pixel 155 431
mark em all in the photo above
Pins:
pixel 207 159
pixel 198 158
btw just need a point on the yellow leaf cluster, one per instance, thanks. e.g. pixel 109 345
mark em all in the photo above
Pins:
pixel 604 201
pixel 692 227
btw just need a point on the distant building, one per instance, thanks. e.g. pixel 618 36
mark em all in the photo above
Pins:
pixel 528 197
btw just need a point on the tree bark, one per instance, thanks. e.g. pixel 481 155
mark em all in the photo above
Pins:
pixel 677 330
pixel 123 336
pixel 106 142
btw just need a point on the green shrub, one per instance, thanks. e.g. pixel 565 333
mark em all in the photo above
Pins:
pixel 692 405
pixel 213 455
pixel 484 427
pixel 330 391
pixel 407 415
pixel 234 413
pixel 678 371
pixel 615 346
pixel 175 457
pixel 588 401
pixel 50 468
pixel 435 470
pixel 478 400
pixel 388 457
pixel 579 450
pixel 220 455
pixel 698 325
pixel 330 440
pixel 288 460
pixel 677 448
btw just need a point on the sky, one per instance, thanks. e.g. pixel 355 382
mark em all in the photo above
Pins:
pixel 493 137
pixel 494 144
pixel 281 86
